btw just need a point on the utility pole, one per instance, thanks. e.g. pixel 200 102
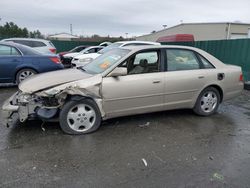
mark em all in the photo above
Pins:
pixel 71 29
pixel 126 35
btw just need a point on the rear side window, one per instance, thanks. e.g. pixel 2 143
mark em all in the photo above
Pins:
pixel 179 59
pixel 38 44
pixel 7 50
pixel 24 42
pixel 92 50
pixel 206 63
pixel 51 44
pixel 97 49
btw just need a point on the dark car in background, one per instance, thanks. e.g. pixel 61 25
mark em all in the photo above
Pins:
pixel 17 62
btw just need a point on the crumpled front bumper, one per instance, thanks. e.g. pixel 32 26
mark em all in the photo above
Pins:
pixel 8 111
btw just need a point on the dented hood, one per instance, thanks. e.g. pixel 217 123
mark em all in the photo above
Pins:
pixel 50 79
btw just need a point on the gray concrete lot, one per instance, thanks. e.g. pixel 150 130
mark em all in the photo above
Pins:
pixel 166 149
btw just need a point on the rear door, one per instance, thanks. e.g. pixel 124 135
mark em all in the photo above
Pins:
pixel 10 58
pixel 184 79
pixel 140 91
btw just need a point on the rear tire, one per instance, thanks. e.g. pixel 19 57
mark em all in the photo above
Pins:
pixel 207 102
pixel 80 117
pixel 23 74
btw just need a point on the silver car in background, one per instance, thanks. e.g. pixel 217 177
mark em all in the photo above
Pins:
pixel 41 45
pixel 126 81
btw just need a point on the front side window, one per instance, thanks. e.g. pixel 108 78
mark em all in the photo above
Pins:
pixel 143 62
pixel 178 59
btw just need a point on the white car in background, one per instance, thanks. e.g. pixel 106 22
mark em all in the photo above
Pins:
pixel 89 50
pixel 41 45
pixel 84 59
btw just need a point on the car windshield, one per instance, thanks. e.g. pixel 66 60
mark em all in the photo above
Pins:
pixel 105 61
pixel 110 47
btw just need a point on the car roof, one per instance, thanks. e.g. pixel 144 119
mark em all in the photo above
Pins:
pixel 145 47
pixel 138 42
pixel 28 39
pixel 96 47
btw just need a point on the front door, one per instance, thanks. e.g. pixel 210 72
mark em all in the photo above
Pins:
pixel 142 90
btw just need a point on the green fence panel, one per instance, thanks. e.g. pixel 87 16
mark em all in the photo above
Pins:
pixel 235 52
pixel 68 45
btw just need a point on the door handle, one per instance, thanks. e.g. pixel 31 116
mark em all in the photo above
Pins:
pixel 201 77
pixel 156 81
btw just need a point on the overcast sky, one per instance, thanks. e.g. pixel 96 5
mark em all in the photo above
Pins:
pixel 117 17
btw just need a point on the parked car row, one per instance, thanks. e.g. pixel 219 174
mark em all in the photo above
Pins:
pixel 17 62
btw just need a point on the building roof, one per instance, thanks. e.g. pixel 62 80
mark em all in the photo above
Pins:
pixel 64 35
pixel 198 23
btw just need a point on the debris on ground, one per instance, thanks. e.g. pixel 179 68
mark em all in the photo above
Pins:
pixel 231 134
pixel 211 158
pixel 218 176
pixel 145 162
pixel 144 125
pixel 34 168
pixel 42 127
pixel 194 158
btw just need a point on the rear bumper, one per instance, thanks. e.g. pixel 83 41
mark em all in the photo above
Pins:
pixel 8 111
pixel 234 92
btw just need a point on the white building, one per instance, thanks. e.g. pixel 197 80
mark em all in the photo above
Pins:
pixel 63 36
pixel 204 31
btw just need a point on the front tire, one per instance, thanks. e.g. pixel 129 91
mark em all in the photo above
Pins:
pixel 207 102
pixel 80 117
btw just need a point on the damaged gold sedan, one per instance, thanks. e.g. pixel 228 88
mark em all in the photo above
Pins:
pixel 126 81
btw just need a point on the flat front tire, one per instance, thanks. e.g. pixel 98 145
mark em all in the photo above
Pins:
pixel 207 102
pixel 80 117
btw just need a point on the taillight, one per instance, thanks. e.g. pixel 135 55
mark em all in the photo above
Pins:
pixel 241 78
pixel 53 50
pixel 55 60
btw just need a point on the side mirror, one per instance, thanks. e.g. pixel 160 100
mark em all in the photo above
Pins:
pixel 118 71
